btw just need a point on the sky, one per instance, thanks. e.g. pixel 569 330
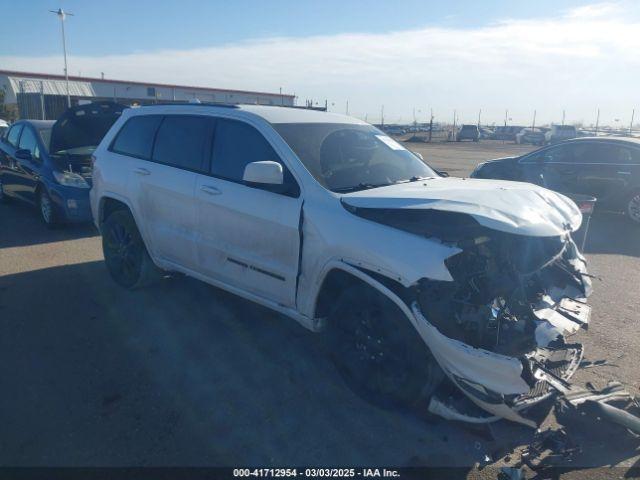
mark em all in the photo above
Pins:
pixel 498 57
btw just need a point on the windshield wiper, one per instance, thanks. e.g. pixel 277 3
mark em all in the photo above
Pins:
pixel 360 186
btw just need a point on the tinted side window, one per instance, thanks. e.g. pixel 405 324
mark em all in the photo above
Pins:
pixel 237 144
pixel 29 141
pixel 135 138
pixel 13 135
pixel 181 141
pixel 559 154
pixel 615 154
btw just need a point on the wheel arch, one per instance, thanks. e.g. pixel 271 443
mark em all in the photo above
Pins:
pixel 342 275
pixel 109 203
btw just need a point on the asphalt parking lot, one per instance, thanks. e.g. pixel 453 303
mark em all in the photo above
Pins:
pixel 185 374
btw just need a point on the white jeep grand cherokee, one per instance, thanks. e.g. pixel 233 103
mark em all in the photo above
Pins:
pixel 414 280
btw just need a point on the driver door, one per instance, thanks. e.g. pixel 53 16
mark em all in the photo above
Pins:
pixel 248 237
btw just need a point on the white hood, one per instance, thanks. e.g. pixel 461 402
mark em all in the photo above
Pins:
pixel 512 207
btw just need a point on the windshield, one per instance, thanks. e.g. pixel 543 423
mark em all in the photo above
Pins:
pixel 346 157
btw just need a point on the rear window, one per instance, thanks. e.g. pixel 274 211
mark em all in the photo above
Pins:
pixel 181 141
pixel 135 138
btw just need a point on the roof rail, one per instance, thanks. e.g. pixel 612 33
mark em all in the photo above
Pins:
pixel 192 104
pixel 229 105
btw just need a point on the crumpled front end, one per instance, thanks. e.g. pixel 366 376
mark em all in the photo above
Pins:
pixel 512 304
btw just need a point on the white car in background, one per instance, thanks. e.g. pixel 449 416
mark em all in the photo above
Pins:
pixel 558 133
pixel 4 126
pixel 410 278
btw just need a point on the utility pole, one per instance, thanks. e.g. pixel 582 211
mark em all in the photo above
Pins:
pixel 506 115
pixel 454 125
pixel 347 107
pixel 62 15
pixel 597 121
pixel 533 126
pixel 479 115
pixel 563 118
pixel 633 113
pixel 382 116
pixel 430 125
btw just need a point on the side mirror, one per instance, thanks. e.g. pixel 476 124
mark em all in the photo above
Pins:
pixel 23 154
pixel 264 173
pixel 442 173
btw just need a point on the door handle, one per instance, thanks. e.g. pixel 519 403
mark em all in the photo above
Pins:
pixel 209 190
pixel 142 171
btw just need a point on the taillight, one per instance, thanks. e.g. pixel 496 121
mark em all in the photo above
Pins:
pixel 586 207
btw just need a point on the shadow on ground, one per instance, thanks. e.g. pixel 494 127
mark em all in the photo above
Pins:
pixel 613 234
pixel 183 374
pixel 20 226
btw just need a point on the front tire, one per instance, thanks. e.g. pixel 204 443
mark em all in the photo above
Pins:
pixel 378 352
pixel 125 253
pixel 3 196
pixel 633 207
pixel 47 209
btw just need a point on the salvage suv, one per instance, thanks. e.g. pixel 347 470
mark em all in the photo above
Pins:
pixel 413 280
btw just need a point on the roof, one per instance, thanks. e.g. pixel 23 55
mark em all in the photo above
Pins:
pixel 635 141
pixel 274 114
pixel 32 75
pixel 39 123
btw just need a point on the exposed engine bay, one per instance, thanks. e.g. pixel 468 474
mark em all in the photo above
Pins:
pixel 510 294
pixel 499 329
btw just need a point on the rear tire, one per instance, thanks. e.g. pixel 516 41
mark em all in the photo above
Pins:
pixel 125 253
pixel 633 207
pixel 378 352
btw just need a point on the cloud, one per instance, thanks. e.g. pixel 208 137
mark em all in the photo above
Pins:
pixel 579 61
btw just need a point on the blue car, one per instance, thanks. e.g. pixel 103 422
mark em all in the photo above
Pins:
pixel 48 164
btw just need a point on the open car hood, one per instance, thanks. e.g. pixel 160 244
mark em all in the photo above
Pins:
pixel 84 125
pixel 512 207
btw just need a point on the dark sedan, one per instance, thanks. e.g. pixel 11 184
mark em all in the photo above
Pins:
pixel 607 168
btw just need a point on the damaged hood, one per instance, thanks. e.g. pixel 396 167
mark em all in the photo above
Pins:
pixel 511 207
pixel 83 126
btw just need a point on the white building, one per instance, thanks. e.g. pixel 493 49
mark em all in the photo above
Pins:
pixel 43 96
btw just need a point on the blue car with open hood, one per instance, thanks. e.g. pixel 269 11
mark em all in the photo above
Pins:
pixel 48 163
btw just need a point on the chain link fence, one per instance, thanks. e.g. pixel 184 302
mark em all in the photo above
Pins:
pixel 37 100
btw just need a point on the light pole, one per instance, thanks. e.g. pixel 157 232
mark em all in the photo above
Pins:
pixel 62 15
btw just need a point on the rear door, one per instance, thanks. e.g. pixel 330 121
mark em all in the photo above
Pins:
pixel 609 175
pixel 248 236
pixel 163 153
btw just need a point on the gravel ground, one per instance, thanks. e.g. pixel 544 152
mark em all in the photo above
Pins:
pixel 185 374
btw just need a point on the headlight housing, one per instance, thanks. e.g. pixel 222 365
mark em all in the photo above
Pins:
pixel 70 179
